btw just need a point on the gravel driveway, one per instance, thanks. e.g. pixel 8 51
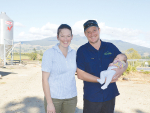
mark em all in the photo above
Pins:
pixel 21 92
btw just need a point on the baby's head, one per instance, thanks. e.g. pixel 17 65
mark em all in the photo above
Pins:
pixel 121 57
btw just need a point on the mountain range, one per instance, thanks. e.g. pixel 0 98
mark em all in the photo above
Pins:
pixel 77 41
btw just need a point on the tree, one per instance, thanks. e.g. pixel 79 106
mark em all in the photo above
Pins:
pixel 41 53
pixel 132 54
pixel 33 55
pixel 34 50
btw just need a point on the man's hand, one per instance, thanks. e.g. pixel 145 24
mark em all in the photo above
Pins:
pixel 118 73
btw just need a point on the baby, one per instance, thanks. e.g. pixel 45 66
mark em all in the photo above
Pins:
pixel 119 62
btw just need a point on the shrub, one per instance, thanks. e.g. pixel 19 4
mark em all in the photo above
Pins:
pixel 131 69
pixel 146 72
pixel 40 59
pixel 134 69
pixel 33 56
pixel 124 74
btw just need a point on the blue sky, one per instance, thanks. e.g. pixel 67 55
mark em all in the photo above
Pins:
pixel 126 20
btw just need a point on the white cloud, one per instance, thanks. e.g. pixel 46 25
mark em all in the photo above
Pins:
pixel 137 37
pixel 119 32
pixel 21 34
pixel 147 36
pixel 112 33
pixel 77 28
pixel 48 30
pixel 26 37
pixel 18 24
pixel 50 26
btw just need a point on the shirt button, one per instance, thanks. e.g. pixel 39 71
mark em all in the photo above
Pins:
pixel 99 59
pixel 99 66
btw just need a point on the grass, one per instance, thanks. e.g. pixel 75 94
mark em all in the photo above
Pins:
pixel 17 57
pixel 23 57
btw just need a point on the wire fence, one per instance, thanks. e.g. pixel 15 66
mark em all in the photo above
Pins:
pixel 23 54
pixel 139 62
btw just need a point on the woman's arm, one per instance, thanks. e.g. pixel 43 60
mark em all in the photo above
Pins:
pixel 46 89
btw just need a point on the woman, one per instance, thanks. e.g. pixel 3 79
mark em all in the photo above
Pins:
pixel 58 74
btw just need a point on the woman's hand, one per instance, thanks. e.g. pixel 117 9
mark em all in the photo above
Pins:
pixel 51 108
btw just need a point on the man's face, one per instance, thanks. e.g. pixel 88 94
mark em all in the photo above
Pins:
pixel 92 34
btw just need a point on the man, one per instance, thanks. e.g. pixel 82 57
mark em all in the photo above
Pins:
pixel 92 58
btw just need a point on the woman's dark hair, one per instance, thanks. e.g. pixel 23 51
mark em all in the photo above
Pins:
pixel 63 26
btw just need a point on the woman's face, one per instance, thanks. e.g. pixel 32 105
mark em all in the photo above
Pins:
pixel 65 37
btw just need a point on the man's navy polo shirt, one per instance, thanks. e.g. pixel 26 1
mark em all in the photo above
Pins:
pixel 94 61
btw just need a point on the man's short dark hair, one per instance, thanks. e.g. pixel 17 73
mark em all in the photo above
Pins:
pixel 90 23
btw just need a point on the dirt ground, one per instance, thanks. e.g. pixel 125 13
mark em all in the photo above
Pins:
pixel 21 91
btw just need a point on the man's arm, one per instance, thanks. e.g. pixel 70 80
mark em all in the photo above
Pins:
pixel 119 72
pixel 86 76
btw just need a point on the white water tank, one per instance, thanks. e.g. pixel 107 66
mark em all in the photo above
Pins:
pixel 6 34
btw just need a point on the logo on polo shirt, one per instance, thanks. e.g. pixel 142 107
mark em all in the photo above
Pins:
pixel 107 53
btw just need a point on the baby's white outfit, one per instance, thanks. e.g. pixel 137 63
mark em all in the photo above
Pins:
pixel 109 73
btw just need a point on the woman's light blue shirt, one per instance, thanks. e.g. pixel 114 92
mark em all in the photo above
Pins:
pixel 62 72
